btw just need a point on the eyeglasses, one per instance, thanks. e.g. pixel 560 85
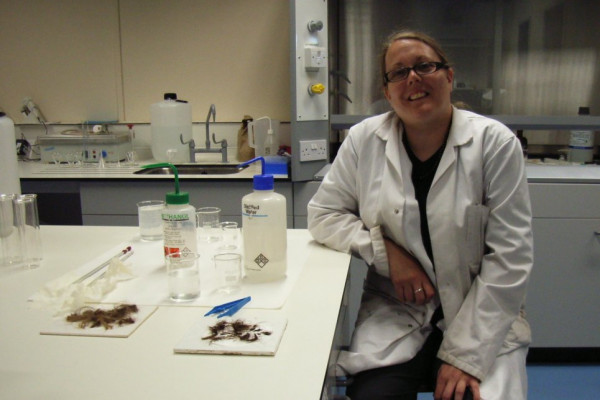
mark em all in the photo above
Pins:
pixel 420 69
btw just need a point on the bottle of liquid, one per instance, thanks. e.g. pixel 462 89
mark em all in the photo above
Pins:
pixel 179 219
pixel 9 177
pixel 581 143
pixel 269 144
pixel 263 136
pixel 170 120
pixel 264 230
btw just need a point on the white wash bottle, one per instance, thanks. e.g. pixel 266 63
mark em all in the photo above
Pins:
pixel 264 230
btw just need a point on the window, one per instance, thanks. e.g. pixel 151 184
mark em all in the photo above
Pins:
pixel 518 57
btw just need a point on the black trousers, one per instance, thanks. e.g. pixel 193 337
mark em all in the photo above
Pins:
pixel 402 381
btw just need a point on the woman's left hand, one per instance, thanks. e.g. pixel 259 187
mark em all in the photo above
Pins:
pixel 410 281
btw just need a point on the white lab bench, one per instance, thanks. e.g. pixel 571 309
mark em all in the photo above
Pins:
pixel 143 366
pixel 566 221
pixel 40 170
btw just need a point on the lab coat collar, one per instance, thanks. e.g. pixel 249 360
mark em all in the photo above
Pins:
pixel 394 150
pixel 389 125
pixel 459 135
pixel 389 129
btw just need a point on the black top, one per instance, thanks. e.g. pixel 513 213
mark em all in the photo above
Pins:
pixel 422 176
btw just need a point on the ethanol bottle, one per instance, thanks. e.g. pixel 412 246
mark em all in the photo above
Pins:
pixel 179 219
pixel 581 143
pixel 264 230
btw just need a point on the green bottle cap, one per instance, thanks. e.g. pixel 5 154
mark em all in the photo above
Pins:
pixel 175 197
pixel 178 198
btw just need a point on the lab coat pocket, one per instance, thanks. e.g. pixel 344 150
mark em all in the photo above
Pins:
pixel 382 323
pixel 476 221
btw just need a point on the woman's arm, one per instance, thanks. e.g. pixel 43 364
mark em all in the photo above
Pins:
pixel 333 212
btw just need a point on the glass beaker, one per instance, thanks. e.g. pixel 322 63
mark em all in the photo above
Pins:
pixel 27 222
pixel 10 242
pixel 209 229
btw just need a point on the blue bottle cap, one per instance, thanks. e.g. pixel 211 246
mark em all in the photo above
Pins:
pixel 262 181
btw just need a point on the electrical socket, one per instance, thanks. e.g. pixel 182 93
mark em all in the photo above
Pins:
pixel 313 150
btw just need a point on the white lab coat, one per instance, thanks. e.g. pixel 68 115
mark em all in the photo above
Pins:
pixel 479 218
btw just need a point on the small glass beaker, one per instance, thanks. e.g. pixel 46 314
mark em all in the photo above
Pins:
pixel 208 224
pixel 228 268
pixel 230 233
pixel 184 276
pixel 131 158
pixel 150 219
pixel 28 224
pixel 10 241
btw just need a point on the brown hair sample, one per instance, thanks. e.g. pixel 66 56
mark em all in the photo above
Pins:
pixel 92 318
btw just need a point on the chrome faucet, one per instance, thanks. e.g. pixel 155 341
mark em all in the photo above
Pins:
pixel 211 111
pixel 192 145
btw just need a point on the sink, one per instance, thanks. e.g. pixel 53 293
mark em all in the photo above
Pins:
pixel 194 169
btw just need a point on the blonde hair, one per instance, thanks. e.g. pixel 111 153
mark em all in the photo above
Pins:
pixel 411 35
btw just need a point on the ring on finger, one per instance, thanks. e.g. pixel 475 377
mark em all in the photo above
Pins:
pixel 418 290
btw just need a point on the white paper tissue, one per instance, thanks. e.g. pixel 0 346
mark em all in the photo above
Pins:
pixel 63 296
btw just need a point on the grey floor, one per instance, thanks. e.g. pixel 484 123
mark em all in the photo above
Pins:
pixel 559 382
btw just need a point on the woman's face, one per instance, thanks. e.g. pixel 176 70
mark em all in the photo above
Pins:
pixel 418 99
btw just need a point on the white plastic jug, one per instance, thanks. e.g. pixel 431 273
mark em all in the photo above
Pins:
pixel 9 175
pixel 171 119
pixel 263 136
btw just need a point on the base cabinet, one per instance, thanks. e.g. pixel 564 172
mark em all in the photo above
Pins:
pixel 563 296
pixel 114 202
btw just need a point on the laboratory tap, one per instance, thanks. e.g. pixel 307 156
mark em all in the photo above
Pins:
pixel 192 145
pixel 211 111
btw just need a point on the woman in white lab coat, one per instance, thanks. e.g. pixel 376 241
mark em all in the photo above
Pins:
pixel 435 200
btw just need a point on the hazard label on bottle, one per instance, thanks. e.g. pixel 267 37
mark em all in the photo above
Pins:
pixel 261 260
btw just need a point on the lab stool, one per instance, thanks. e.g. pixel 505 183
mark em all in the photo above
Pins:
pixel 342 382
